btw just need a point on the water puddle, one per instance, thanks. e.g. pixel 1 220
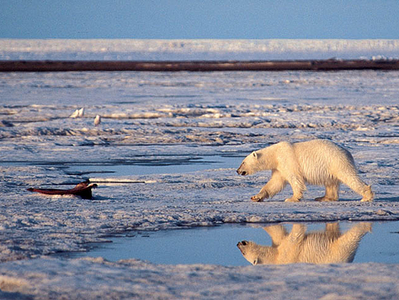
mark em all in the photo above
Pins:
pixel 296 242
pixel 160 165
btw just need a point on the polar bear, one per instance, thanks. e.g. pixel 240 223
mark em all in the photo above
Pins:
pixel 317 162
pixel 300 247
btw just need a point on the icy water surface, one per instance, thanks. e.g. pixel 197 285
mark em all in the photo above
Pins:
pixel 160 165
pixel 217 245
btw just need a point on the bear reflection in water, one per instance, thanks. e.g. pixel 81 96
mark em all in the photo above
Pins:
pixel 317 247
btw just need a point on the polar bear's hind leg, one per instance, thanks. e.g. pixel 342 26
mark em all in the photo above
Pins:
pixel 352 180
pixel 331 193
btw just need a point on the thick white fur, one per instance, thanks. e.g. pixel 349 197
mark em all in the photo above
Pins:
pixel 298 246
pixel 316 162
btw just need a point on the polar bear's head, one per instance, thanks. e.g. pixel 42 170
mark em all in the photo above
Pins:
pixel 249 165
pixel 257 254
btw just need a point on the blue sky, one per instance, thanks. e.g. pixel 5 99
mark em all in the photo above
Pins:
pixel 200 19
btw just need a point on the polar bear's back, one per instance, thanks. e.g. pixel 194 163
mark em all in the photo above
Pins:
pixel 321 161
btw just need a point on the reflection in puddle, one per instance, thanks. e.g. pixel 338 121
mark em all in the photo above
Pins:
pixel 300 246
pixel 217 245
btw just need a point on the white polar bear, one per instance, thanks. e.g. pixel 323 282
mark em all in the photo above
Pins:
pixel 317 162
pixel 298 246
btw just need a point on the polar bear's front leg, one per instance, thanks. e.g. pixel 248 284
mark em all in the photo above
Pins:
pixel 298 187
pixel 274 185
pixel 296 197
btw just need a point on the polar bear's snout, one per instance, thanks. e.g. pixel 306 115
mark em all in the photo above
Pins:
pixel 243 173
pixel 242 246
pixel 240 170
pixel 242 243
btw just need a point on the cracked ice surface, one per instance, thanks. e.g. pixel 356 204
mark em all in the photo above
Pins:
pixel 179 138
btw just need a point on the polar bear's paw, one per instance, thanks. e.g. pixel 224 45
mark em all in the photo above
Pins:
pixel 257 198
pixel 368 194
pixel 292 199
pixel 325 199
pixel 260 196
pixel 366 199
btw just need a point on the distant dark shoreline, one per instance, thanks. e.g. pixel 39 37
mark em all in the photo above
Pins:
pixel 196 66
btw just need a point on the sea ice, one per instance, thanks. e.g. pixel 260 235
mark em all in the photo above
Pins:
pixel 156 121
pixel 196 49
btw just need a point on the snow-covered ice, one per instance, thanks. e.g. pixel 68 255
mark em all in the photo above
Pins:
pixel 171 129
pixel 131 279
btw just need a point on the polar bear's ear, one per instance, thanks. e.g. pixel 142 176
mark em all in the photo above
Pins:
pixel 254 154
